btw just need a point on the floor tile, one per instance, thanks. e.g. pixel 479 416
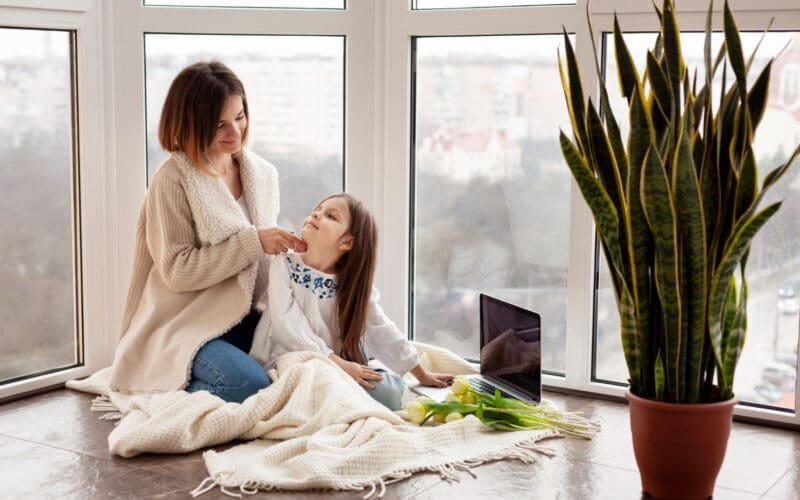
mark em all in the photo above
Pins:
pixel 787 487
pixel 32 470
pixel 547 478
pixel 753 464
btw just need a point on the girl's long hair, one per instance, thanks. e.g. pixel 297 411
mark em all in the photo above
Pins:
pixel 355 270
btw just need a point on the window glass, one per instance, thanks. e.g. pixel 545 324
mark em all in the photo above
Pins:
pixel 491 193
pixel 295 94
pixel 279 4
pixel 463 4
pixel 37 251
pixel 767 369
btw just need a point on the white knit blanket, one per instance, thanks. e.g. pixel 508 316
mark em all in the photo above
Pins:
pixel 312 428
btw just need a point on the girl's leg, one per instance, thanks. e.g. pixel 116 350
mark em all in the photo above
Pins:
pixel 226 371
pixel 389 391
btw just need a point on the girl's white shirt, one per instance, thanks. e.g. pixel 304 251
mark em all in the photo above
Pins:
pixel 301 316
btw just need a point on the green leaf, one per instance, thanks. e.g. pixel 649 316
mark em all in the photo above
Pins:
pixel 672 49
pixel 659 376
pixel 747 187
pixel 614 135
pixel 774 175
pixel 573 91
pixel 659 210
pixel 626 69
pixel 707 45
pixel 632 338
pixel 693 277
pixel 640 246
pixel 659 85
pixel 735 247
pixel 734 47
pixel 603 160
pixel 605 213
pixel 757 97
pixel 639 139
pixel 734 343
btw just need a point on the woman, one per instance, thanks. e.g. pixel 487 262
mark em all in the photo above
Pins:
pixel 202 239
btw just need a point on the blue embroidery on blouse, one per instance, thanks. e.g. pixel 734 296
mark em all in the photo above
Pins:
pixel 313 280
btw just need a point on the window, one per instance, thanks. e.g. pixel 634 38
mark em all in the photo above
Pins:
pixel 463 4
pixel 272 4
pixel 767 369
pixel 491 196
pixel 39 204
pixel 295 92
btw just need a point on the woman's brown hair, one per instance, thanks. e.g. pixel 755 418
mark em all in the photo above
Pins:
pixel 355 271
pixel 192 108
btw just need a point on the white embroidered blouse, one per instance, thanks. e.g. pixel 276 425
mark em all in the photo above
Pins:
pixel 301 316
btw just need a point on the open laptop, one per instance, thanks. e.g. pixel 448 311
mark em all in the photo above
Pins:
pixel 511 353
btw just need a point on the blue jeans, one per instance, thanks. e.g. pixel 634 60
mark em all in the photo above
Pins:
pixel 389 391
pixel 222 366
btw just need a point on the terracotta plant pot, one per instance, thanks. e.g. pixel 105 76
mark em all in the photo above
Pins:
pixel 679 448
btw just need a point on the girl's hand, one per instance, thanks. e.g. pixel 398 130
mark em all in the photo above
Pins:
pixel 431 379
pixel 275 240
pixel 362 374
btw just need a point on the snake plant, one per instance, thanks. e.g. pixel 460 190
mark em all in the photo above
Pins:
pixel 676 205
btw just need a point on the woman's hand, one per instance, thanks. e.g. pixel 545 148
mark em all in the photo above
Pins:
pixel 362 374
pixel 431 379
pixel 275 240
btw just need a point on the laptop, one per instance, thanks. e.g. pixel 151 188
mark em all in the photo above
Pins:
pixel 510 352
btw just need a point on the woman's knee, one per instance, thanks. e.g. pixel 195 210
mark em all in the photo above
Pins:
pixel 227 371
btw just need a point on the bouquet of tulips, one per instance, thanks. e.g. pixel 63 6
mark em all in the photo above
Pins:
pixel 506 414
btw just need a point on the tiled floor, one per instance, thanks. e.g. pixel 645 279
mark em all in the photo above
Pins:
pixel 51 446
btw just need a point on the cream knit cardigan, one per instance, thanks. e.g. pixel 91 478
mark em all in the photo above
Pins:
pixel 197 265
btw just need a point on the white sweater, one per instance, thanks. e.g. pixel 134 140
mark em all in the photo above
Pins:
pixel 301 316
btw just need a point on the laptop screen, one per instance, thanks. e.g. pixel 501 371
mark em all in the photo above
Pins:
pixel 511 344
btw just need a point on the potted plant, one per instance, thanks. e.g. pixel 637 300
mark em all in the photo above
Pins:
pixel 676 207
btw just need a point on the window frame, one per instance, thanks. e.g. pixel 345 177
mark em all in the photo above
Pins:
pixel 91 222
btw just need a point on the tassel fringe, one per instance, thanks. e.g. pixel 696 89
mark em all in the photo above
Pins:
pixel 525 451
pixel 104 405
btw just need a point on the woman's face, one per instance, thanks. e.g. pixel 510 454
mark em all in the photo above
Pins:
pixel 230 128
pixel 328 225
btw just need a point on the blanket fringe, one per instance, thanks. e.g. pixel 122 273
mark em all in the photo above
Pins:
pixel 104 405
pixel 524 451
pixel 203 487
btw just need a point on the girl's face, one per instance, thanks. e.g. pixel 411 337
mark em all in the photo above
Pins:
pixel 230 128
pixel 328 226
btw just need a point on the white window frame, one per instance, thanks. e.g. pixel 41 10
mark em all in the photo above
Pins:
pixel 83 17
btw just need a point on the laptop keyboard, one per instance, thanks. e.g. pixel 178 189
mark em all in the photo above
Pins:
pixel 484 386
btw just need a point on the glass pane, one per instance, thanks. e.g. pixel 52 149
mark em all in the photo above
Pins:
pixel 491 210
pixel 464 4
pixel 767 369
pixel 273 4
pixel 37 296
pixel 295 93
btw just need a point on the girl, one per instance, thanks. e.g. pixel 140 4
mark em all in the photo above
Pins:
pixel 322 300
